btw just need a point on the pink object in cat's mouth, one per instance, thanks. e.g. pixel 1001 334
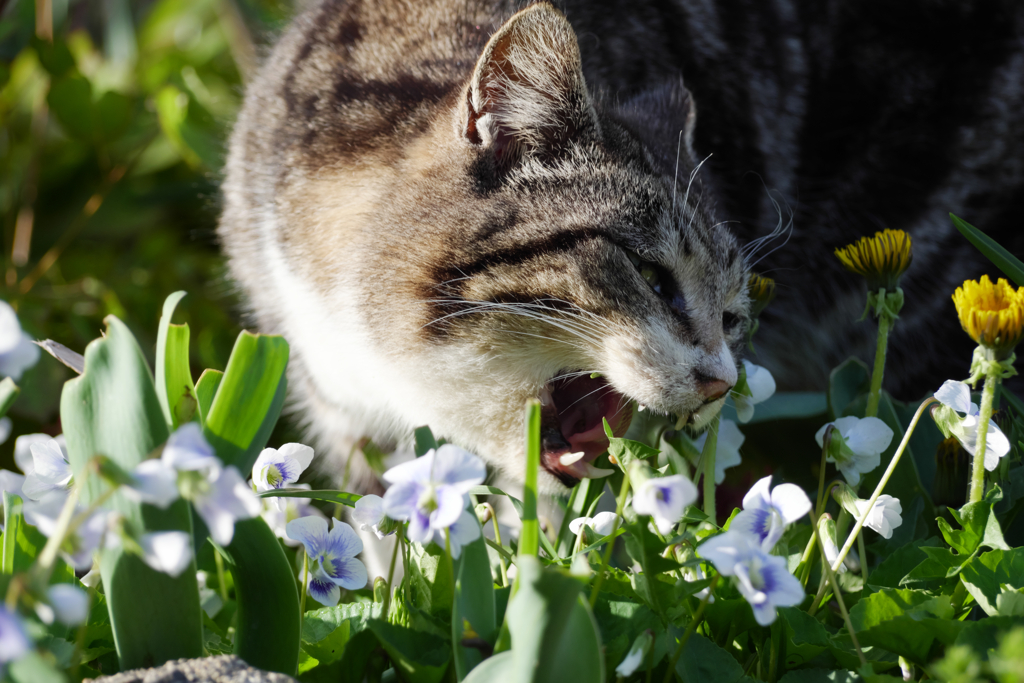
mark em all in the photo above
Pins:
pixel 572 413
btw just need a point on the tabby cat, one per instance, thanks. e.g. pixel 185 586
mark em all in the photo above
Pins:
pixel 449 207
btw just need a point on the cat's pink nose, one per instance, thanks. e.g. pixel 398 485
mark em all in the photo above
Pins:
pixel 713 389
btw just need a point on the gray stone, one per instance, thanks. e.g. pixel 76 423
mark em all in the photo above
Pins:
pixel 220 669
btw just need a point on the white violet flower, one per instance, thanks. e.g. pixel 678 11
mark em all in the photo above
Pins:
pixel 78 548
pixel 755 387
pixel 601 523
pixel 369 515
pixel 169 552
pixel 956 396
pixel 155 483
pixel 464 531
pixel 278 469
pixel 70 603
pixel 857 448
pixel 727 449
pixel 763 579
pixel 432 491
pixel 23 449
pixel 332 557
pixel 664 499
pixel 884 515
pixel 17 351
pixel 14 640
pixel 766 513
pixel 51 473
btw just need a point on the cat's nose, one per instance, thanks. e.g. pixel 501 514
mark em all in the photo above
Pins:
pixel 712 388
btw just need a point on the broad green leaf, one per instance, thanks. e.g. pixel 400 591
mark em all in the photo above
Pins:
pixel 112 408
pixel 983 636
pixel 645 548
pixel 985 575
pixel 980 526
pixel 341 640
pixel 847 381
pixel 626 451
pixel 34 668
pixel 620 621
pixel 554 635
pixel 249 399
pixel 891 572
pixel 8 393
pixel 418 657
pixel 267 635
pixel 729 615
pixel 939 563
pixel 327 496
pixel 806 637
pixel 174 387
pixel 1003 259
pixel 910 623
pixel 820 676
pixel 429 583
pixel 704 661
pixel 474 608
pixel 206 389
pixel 498 667
pixel 113 115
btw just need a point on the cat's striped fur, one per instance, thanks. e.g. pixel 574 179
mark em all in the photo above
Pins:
pixel 442 222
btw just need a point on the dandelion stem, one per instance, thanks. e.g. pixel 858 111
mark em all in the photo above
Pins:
pixel 607 557
pixel 708 456
pixel 690 629
pixel 838 594
pixel 884 325
pixel 984 415
pixel 881 485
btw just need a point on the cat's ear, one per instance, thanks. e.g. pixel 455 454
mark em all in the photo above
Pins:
pixel 663 119
pixel 527 94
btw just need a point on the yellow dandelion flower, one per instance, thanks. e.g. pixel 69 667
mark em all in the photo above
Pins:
pixel 761 291
pixel 881 259
pixel 993 314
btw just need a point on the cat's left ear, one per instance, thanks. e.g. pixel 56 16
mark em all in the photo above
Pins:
pixel 663 118
pixel 527 95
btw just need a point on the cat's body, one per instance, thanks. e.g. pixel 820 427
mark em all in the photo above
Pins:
pixel 443 223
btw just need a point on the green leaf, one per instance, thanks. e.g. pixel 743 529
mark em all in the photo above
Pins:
pixel 474 607
pixel 340 640
pixel 267 635
pixel 626 451
pixel 583 496
pixel 806 637
pixel 985 575
pixel 206 389
pixel 910 623
pixel 8 393
pixel 174 387
pixel 729 614
pixel 645 548
pixel 249 399
pixel 112 408
pixel 1004 260
pixel 939 563
pixel 429 583
pixel 530 533
pixel 418 657
pixel 34 668
pixel 424 439
pixel 820 676
pixel 980 526
pixel 113 115
pixel 983 636
pixel 891 572
pixel 846 382
pixel 704 661
pixel 327 496
pixel 554 635
pixel 619 621
pixel 70 100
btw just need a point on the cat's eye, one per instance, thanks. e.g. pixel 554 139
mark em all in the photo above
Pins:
pixel 649 272
pixel 730 321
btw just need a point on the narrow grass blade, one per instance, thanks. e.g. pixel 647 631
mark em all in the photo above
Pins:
pixel 341 497
pixel 170 379
pixel 1003 259
pixel 529 536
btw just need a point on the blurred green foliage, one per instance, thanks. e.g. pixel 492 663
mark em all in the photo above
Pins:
pixel 112 136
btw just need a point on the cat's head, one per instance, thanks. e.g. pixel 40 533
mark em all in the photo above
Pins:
pixel 580 261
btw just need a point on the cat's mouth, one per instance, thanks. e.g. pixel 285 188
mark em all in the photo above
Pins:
pixel 573 410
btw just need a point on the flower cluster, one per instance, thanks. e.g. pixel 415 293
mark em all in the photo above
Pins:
pixel 955 398
pixel 743 551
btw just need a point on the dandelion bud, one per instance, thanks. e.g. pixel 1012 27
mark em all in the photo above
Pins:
pixel 761 291
pixel 827 534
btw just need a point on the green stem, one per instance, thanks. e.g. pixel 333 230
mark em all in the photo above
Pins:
pixel 863 557
pixel 884 325
pixel 816 603
pixel 881 484
pixel 708 455
pixel 838 594
pixel 302 588
pixel 529 536
pixel 689 630
pixel 391 574
pixel 497 539
pixel 62 528
pixel 221 579
pixel 607 557
pixel 984 415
